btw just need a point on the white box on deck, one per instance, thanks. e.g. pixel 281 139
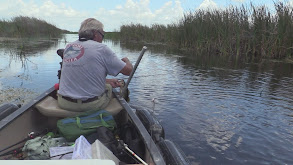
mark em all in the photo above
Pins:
pixel 82 149
pixel 100 151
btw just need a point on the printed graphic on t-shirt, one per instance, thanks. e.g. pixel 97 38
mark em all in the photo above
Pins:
pixel 73 52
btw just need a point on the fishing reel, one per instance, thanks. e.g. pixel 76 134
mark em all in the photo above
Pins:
pixel 60 53
pixel 122 86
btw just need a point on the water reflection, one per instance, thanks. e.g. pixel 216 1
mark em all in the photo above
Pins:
pixel 218 110
pixel 20 65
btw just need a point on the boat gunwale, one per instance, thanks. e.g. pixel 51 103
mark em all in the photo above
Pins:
pixel 152 147
pixel 24 108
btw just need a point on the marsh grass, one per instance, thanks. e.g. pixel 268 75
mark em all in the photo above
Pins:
pixel 112 35
pixel 23 26
pixel 250 33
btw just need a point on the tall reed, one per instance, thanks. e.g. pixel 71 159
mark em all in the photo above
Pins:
pixel 22 26
pixel 243 32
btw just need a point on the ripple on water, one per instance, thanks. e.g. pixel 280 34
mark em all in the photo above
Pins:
pixel 216 114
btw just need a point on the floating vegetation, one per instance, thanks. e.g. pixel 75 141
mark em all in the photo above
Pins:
pixel 16 95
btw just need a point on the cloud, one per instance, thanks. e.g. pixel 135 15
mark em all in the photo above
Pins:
pixel 208 5
pixel 60 15
pixel 66 17
pixel 241 1
pixel 140 12
pixel 291 3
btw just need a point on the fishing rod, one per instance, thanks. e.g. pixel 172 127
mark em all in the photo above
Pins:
pixel 31 135
pixel 134 154
pixel 124 90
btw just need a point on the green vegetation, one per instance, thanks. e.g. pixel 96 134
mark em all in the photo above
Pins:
pixel 28 27
pixel 249 33
pixel 112 35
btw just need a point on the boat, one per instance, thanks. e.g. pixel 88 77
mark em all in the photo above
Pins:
pixel 39 117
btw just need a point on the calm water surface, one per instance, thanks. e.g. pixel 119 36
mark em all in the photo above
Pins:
pixel 217 111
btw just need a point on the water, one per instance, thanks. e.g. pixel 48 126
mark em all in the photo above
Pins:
pixel 218 111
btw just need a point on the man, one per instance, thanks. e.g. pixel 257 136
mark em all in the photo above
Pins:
pixel 86 63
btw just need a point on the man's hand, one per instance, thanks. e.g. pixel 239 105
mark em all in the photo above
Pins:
pixel 127 68
pixel 125 59
pixel 113 82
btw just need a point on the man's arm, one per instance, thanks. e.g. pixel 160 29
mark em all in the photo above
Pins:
pixel 127 68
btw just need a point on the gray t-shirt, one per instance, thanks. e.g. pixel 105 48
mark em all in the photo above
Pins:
pixel 85 67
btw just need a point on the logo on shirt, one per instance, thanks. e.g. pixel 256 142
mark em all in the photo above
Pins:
pixel 73 52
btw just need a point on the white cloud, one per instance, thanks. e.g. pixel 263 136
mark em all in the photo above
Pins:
pixel 65 17
pixel 140 12
pixel 241 1
pixel 60 15
pixel 290 3
pixel 208 5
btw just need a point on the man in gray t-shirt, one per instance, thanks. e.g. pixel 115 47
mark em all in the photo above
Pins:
pixel 86 63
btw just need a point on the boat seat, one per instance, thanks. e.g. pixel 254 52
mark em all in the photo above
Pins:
pixel 49 107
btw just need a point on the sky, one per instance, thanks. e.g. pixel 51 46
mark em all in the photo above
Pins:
pixel 68 14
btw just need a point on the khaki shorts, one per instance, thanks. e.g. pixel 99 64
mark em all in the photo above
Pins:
pixel 101 103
